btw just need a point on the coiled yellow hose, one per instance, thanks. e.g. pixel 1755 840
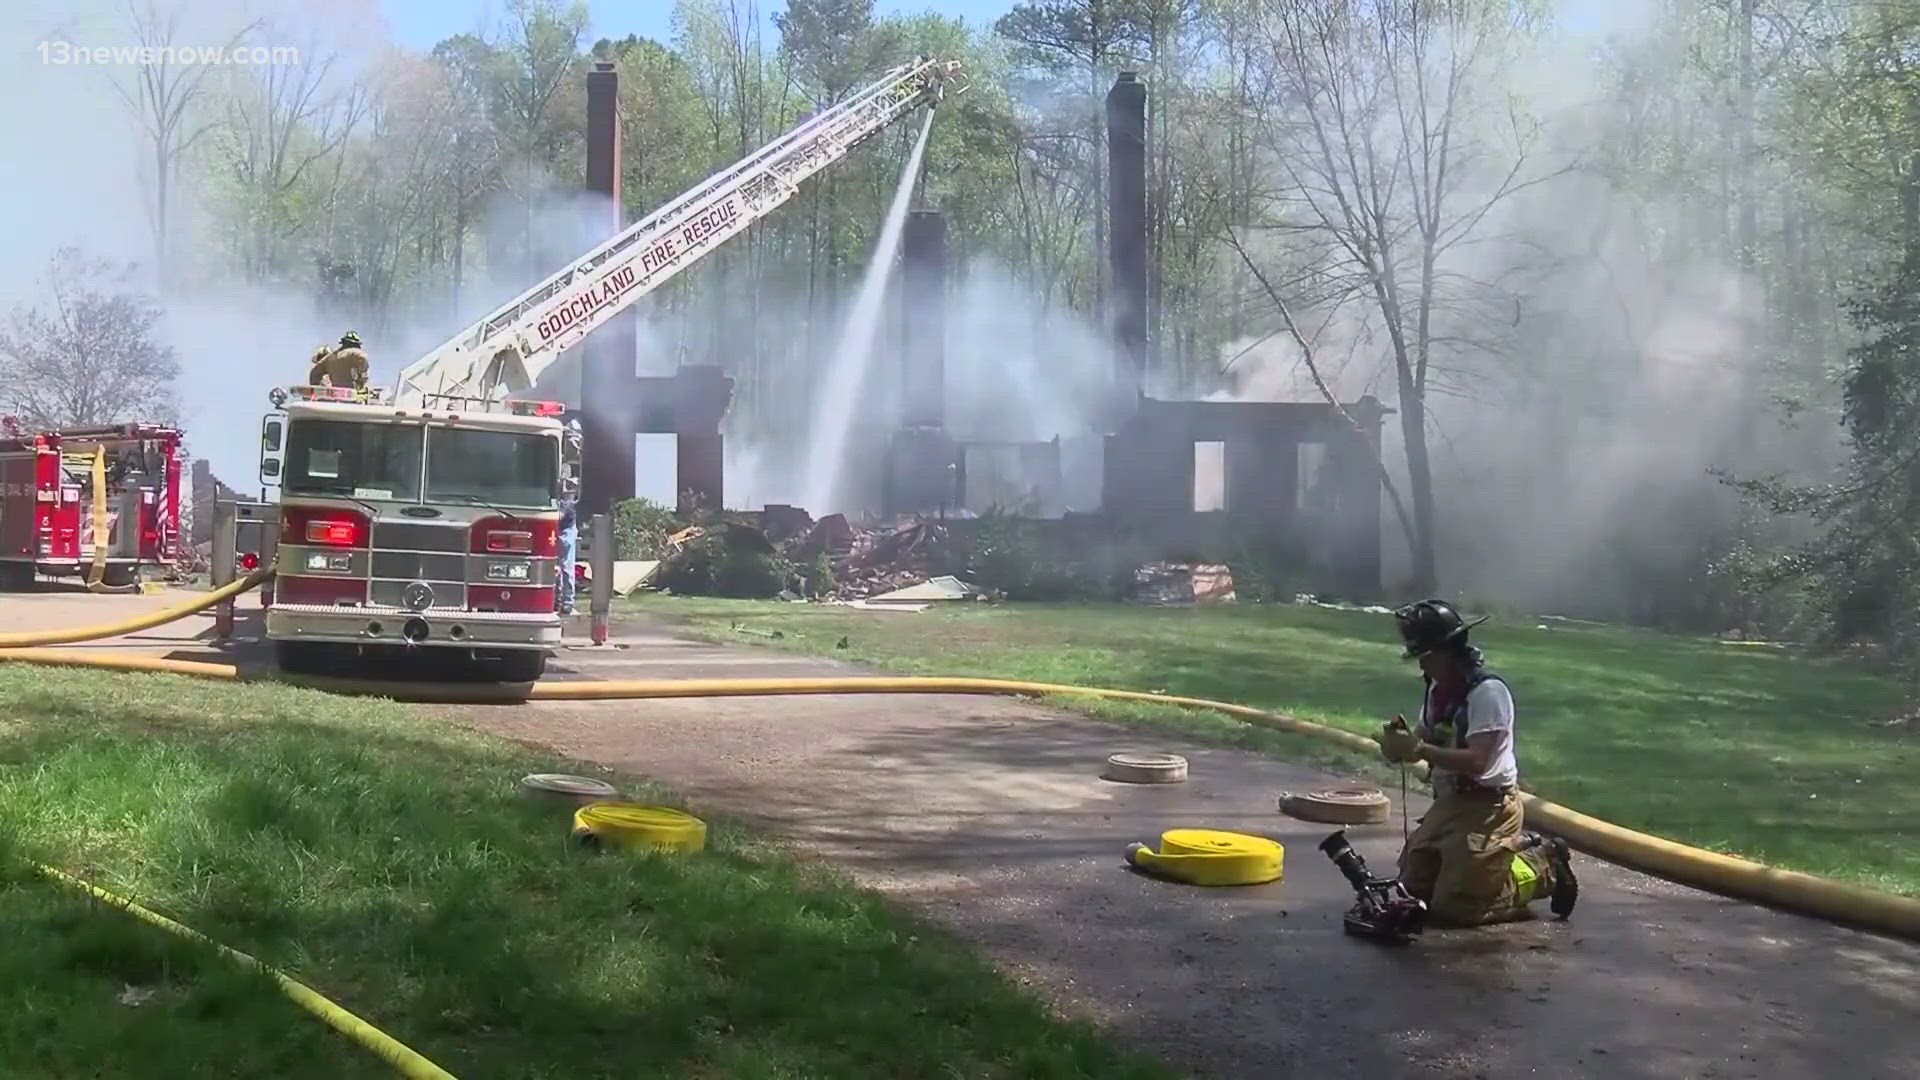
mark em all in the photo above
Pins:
pixel 1211 857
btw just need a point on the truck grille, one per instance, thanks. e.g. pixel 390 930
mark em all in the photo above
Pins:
pixel 416 536
pixel 412 566
pixel 408 551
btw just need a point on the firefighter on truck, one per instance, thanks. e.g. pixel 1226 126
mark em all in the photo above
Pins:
pixel 342 366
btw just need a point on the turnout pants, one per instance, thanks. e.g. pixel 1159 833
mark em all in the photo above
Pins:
pixel 1466 860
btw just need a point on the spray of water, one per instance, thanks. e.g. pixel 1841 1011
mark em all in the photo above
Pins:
pixel 854 354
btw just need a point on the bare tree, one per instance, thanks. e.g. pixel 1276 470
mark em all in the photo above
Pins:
pixel 162 95
pixel 475 166
pixel 281 122
pixel 413 169
pixel 1311 362
pixel 84 354
pixel 1085 38
pixel 543 47
pixel 1396 142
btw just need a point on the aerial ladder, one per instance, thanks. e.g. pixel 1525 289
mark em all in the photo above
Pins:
pixel 506 352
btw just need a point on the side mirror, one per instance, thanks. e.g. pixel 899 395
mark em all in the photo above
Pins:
pixel 273 432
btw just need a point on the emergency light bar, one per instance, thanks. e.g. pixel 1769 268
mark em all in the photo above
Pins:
pixel 488 405
pixel 322 393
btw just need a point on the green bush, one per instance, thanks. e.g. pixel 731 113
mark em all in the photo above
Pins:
pixel 818 579
pixel 722 563
pixel 641 528
pixel 1021 560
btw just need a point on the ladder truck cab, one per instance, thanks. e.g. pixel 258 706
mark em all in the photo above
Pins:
pixel 100 503
pixel 434 526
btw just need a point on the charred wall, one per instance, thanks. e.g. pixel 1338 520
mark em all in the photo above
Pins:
pixel 1295 474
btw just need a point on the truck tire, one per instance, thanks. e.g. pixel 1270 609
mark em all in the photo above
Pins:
pixel 120 577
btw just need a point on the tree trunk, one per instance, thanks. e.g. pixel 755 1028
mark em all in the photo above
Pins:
pixel 1746 240
pixel 459 247
pixel 160 193
pixel 1424 564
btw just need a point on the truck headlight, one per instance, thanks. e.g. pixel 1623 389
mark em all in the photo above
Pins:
pixel 508 571
pixel 329 564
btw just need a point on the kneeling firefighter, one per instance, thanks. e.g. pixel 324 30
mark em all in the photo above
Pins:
pixel 1470 860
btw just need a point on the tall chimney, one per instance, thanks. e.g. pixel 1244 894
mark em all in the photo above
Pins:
pixel 607 356
pixel 923 295
pixel 1127 219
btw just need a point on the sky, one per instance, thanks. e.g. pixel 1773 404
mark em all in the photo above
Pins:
pixel 422 23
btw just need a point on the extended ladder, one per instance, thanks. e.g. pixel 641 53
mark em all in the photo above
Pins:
pixel 507 351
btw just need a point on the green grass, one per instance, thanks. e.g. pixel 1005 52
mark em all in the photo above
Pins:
pixel 385 859
pixel 1747 750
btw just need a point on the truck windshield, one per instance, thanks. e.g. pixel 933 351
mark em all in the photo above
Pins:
pixel 502 468
pixel 347 457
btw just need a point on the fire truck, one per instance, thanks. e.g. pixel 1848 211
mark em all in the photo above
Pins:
pixel 429 526
pixel 427 517
pixel 99 502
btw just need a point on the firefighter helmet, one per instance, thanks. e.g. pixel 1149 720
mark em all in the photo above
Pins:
pixel 1432 624
pixel 349 340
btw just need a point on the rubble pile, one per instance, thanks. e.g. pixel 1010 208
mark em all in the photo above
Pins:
pixel 867 560
pixel 1183 583
pixel 880 562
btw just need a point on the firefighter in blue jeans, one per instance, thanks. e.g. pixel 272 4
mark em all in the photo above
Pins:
pixel 569 552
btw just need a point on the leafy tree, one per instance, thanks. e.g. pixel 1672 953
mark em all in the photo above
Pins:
pixel 827 44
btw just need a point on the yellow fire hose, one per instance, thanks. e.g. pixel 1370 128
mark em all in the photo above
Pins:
pixel 1210 857
pixel 1740 878
pixel 96 574
pixel 36 638
pixel 397 1054
pixel 638 828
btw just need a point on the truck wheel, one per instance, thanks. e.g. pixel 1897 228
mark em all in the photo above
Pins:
pixel 520 665
pixel 16 577
pixel 119 577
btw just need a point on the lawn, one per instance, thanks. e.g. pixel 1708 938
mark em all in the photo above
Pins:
pixel 387 861
pixel 1748 750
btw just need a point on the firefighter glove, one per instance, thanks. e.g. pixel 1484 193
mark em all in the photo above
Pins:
pixel 1398 745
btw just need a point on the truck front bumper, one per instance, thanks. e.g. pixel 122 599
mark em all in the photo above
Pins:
pixel 397 626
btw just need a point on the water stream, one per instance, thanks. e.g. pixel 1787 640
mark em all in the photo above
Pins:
pixel 853 355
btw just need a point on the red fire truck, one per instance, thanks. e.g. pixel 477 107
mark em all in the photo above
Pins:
pixel 404 528
pixel 72 498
